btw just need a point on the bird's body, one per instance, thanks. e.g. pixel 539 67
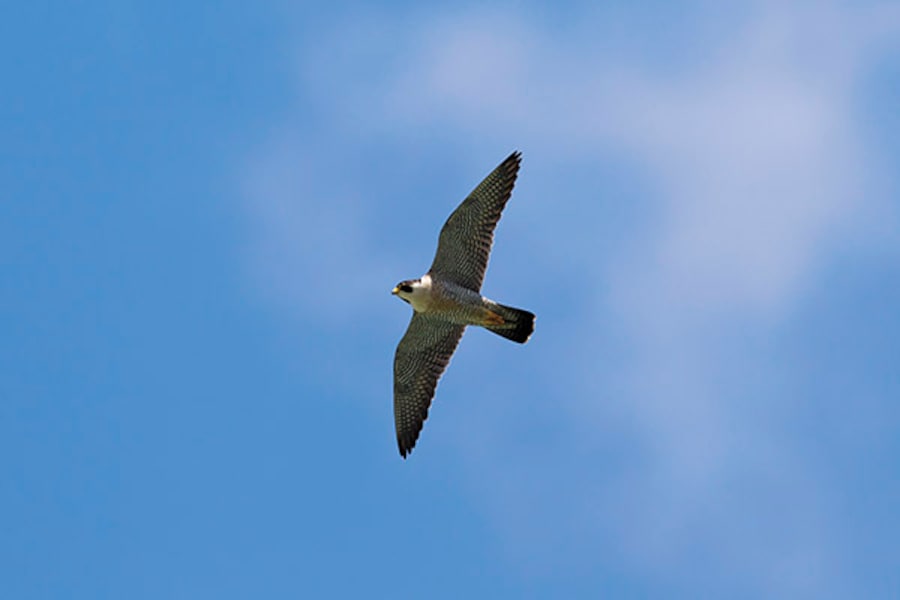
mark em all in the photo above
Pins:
pixel 448 298
pixel 455 303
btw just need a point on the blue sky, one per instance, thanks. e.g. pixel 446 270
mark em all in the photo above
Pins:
pixel 204 209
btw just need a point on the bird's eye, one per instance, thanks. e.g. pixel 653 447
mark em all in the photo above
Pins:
pixel 406 288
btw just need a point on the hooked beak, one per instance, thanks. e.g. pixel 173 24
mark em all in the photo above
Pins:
pixel 395 291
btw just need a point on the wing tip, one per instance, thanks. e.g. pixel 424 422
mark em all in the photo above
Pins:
pixel 511 168
pixel 407 437
pixel 406 446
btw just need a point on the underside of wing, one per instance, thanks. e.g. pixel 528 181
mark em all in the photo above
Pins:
pixel 465 242
pixel 421 358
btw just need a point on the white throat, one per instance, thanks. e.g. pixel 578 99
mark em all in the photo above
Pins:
pixel 420 297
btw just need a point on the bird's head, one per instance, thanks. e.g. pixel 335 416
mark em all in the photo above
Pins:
pixel 405 290
pixel 414 291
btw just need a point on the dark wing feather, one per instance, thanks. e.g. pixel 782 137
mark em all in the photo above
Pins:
pixel 421 358
pixel 466 238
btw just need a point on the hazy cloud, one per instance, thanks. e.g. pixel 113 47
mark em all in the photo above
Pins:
pixel 755 170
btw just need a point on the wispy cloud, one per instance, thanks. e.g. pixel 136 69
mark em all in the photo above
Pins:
pixel 755 149
pixel 755 172
pixel 308 232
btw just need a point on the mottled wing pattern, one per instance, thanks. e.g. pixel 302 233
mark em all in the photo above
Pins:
pixel 421 358
pixel 465 242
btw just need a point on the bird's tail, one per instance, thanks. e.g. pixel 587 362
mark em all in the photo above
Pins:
pixel 518 324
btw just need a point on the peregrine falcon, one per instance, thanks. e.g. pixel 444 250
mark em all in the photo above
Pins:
pixel 448 297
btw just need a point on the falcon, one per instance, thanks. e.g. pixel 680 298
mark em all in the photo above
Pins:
pixel 448 298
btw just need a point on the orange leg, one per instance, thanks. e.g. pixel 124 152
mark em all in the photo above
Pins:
pixel 492 318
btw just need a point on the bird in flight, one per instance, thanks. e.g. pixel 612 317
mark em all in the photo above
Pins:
pixel 448 298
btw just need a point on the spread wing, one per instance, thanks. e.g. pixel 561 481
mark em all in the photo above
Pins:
pixel 465 242
pixel 421 358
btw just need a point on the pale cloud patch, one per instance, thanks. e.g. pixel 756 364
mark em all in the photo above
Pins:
pixel 309 250
pixel 758 174
pixel 761 173
pixel 756 151
pixel 476 71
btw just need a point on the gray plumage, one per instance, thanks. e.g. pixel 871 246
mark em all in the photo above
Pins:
pixel 447 299
pixel 421 358
pixel 465 242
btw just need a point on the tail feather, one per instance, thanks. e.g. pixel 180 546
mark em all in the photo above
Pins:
pixel 518 324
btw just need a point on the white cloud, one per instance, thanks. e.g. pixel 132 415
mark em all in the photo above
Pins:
pixel 758 174
pixel 308 235
pixel 756 150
